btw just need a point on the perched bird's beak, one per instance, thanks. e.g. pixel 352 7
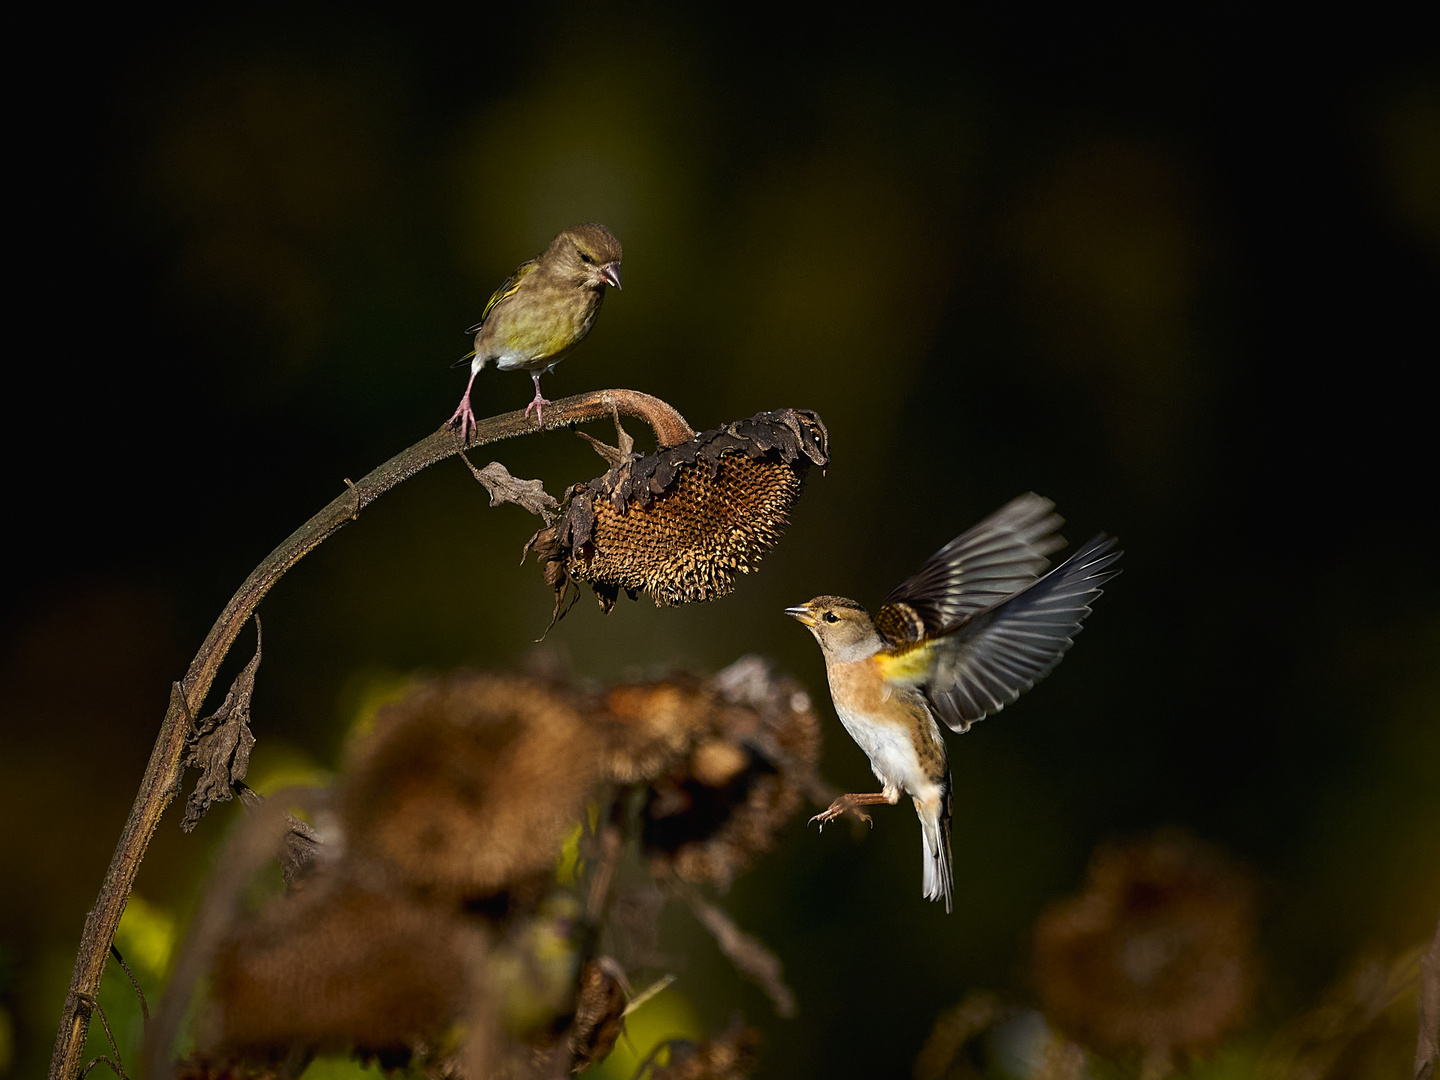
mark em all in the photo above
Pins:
pixel 611 273
pixel 802 614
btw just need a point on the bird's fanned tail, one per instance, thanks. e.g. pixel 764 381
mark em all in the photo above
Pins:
pixel 938 881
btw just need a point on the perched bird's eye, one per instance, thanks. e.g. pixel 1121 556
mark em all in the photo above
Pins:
pixel 586 259
pixel 830 616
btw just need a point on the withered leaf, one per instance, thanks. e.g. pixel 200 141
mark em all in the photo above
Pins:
pixel 599 1013
pixel 300 848
pixel 503 488
pixel 614 455
pixel 221 743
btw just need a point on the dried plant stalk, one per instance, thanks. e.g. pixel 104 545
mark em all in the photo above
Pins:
pixel 161 781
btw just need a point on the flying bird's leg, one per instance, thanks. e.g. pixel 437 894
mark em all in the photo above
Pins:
pixel 538 404
pixel 464 414
pixel 850 802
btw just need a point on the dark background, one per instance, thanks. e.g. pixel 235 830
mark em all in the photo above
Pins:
pixel 1177 274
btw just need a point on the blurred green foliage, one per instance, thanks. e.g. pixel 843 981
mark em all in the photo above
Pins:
pixel 1177 274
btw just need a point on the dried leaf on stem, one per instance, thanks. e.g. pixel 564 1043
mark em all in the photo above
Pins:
pixel 529 495
pixel 221 744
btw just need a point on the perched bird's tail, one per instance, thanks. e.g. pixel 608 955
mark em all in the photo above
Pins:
pixel 935 843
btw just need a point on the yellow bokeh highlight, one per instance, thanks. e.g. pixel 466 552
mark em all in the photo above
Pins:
pixel 369 691
pixel 276 765
pixel 567 871
pixel 146 936
pixel 667 1016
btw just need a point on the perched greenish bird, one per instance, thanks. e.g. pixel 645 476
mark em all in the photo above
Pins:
pixel 543 310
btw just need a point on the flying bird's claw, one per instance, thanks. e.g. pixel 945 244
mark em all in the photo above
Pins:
pixel 837 809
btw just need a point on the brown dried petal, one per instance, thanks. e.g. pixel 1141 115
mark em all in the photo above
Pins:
pixel 301 848
pixel 201 1066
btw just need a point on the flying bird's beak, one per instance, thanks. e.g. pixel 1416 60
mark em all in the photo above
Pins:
pixel 611 273
pixel 801 614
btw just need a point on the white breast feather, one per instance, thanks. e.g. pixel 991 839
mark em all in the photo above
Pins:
pixel 891 753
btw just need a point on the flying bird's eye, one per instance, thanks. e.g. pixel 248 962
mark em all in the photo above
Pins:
pixel 830 616
pixel 586 259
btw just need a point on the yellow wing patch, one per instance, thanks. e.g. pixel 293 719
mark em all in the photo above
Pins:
pixel 506 290
pixel 909 666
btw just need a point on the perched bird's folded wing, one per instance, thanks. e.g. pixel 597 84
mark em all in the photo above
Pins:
pixel 506 290
pixel 997 558
pixel 990 660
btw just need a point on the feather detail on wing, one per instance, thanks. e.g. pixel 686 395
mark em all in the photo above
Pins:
pixel 997 558
pixel 989 660
pixel 506 290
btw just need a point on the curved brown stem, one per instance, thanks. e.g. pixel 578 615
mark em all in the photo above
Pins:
pixel 161 782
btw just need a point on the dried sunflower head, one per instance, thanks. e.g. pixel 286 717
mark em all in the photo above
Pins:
pixel 341 966
pixel 749 762
pixel 468 786
pixel 683 522
pixel 1156 956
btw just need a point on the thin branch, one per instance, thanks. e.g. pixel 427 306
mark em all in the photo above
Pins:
pixel 144 1005
pixel 748 953
pixel 116 1064
pixel 103 1059
pixel 162 777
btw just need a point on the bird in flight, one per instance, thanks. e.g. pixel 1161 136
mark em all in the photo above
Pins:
pixel 976 627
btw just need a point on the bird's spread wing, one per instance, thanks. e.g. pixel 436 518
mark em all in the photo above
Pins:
pixel 997 558
pixel 506 290
pixel 989 660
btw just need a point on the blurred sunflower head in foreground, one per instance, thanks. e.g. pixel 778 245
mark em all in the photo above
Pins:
pixel 485 859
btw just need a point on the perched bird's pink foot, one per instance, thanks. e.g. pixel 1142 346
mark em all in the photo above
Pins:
pixel 850 802
pixel 464 414
pixel 465 417
pixel 538 404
